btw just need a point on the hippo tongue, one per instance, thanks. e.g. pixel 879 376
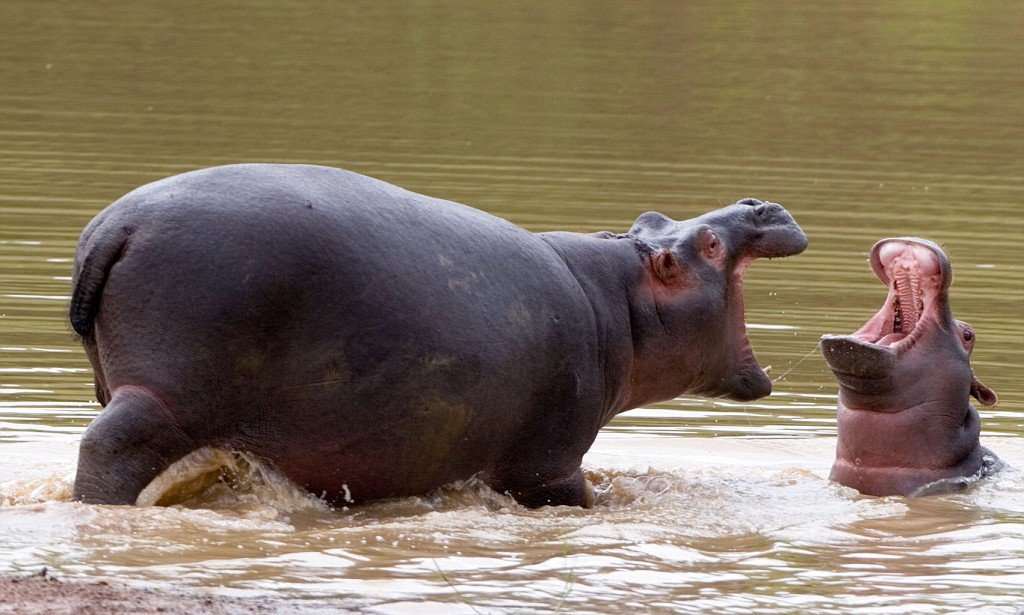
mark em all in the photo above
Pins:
pixel 890 339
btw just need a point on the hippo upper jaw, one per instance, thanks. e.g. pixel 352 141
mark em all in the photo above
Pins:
pixel 775 235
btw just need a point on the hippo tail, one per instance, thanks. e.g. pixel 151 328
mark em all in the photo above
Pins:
pixel 100 247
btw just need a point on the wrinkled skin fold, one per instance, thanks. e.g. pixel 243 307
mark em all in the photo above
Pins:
pixel 905 424
pixel 370 342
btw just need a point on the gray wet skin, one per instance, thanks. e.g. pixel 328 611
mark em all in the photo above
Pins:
pixel 905 381
pixel 370 342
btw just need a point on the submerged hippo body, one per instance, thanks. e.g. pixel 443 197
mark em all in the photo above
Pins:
pixel 905 423
pixel 371 342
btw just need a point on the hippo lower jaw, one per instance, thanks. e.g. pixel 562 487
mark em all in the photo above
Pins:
pixel 853 360
pixel 749 381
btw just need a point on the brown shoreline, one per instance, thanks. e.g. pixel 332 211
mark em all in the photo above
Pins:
pixel 42 594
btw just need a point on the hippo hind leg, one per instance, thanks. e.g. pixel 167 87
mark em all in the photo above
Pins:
pixel 133 440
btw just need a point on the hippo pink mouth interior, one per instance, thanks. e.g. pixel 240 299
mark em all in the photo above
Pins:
pixel 913 273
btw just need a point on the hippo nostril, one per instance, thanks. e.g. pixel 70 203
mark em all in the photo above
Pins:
pixel 749 201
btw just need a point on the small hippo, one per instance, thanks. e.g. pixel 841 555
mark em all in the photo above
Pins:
pixel 369 342
pixel 906 426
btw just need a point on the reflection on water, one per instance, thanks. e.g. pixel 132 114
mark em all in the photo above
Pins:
pixel 865 121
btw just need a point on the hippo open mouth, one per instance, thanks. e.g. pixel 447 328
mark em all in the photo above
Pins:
pixel 918 275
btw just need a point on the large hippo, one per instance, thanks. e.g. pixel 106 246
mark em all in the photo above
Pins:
pixel 370 342
pixel 906 426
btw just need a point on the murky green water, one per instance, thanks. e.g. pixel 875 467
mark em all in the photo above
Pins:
pixel 865 121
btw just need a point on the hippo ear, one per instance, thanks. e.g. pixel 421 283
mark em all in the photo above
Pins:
pixel 650 222
pixel 982 393
pixel 665 266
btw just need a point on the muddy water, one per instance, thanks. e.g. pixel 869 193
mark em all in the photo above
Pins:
pixel 864 121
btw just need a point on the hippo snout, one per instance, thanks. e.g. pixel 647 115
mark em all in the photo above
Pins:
pixel 775 233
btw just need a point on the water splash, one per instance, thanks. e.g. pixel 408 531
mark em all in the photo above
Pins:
pixel 53 488
pixel 218 478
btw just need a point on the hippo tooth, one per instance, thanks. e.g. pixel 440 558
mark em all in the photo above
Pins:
pixel 897 315
pixel 916 287
pixel 767 370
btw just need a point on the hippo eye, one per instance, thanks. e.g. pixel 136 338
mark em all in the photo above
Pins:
pixel 968 335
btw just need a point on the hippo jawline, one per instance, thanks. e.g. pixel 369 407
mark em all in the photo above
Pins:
pixel 917 274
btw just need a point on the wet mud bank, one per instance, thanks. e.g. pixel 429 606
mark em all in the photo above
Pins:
pixel 42 593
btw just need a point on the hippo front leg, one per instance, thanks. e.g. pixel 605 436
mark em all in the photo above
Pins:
pixel 534 492
pixel 574 490
pixel 133 440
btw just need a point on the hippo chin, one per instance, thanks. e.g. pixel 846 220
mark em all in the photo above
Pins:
pixel 905 424
pixel 370 342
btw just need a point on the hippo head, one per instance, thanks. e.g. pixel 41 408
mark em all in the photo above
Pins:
pixel 905 424
pixel 912 349
pixel 694 296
